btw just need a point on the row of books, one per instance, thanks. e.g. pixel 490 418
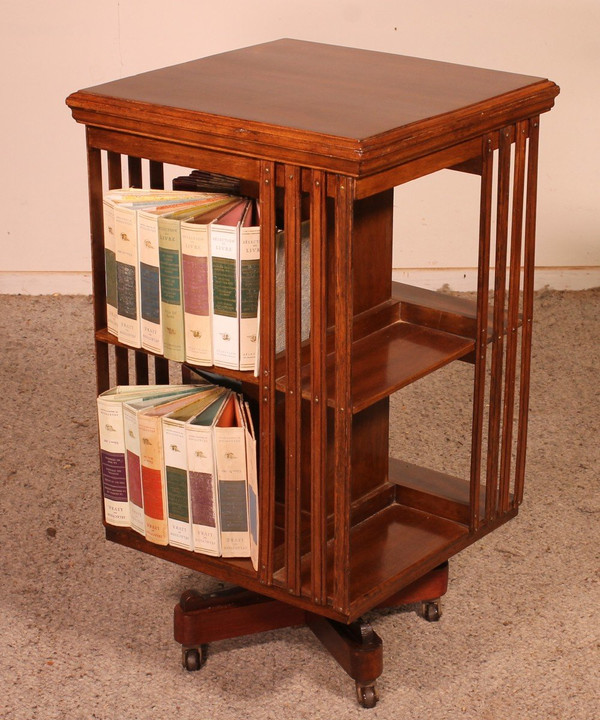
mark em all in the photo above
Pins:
pixel 182 274
pixel 179 466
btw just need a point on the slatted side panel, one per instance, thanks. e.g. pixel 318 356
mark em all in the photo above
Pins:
pixel 529 260
pixel 501 393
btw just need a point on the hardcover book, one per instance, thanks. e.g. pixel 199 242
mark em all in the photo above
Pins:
pixel 232 478
pixel 204 496
pixel 225 259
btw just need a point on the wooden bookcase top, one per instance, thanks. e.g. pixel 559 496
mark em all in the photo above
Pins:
pixel 341 109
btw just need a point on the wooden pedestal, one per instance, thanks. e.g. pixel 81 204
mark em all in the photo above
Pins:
pixel 202 619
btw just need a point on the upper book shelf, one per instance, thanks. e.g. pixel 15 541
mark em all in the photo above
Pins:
pixel 344 110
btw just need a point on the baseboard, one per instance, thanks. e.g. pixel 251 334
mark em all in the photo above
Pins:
pixel 457 279
pixel 465 279
pixel 45 283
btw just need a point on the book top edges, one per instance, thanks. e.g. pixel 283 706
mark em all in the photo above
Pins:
pixel 310 88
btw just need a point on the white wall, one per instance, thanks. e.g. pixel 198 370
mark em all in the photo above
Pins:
pixel 48 50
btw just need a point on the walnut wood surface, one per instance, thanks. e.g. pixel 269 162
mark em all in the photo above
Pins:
pixel 338 108
pixel 391 358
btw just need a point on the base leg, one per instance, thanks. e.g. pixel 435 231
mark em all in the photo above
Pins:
pixel 202 619
pixel 357 648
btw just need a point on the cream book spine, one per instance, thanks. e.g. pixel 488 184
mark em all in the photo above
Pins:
pixel 112 462
pixel 206 524
pixel 224 251
pixel 149 270
pixel 151 462
pixel 252 472
pixel 110 265
pixel 170 288
pixel 134 470
pixel 128 300
pixel 197 289
pixel 178 499
pixel 249 282
pixel 230 454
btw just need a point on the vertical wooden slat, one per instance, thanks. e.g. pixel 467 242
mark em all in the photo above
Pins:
pixel 344 197
pixel 94 159
pixel 499 321
pixel 114 170
pixel 157 181
pixel 267 397
pixel 134 169
pixel 529 265
pixel 157 175
pixel 318 423
pixel 514 284
pixel 115 180
pixel 293 400
pixel 483 279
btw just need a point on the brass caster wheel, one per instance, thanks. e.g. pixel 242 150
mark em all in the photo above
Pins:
pixel 431 610
pixel 367 695
pixel 192 658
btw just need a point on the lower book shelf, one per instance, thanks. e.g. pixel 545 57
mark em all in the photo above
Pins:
pixel 390 549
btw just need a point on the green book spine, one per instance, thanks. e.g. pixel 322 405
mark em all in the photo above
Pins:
pixel 170 288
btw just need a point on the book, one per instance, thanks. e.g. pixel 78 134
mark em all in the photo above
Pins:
pixel 149 264
pixel 252 489
pixel 111 432
pixel 110 264
pixel 232 479
pixel 197 285
pixel 152 467
pixel 126 251
pixel 225 254
pixel 174 424
pixel 249 283
pixel 202 180
pixel 169 243
pixel 204 497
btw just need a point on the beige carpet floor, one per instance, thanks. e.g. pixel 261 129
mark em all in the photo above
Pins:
pixel 86 625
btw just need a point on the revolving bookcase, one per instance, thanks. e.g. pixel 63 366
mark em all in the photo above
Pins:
pixel 323 134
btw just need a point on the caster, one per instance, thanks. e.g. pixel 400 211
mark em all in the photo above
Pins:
pixel 367 695
pixel 192 658
pixel 431 610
